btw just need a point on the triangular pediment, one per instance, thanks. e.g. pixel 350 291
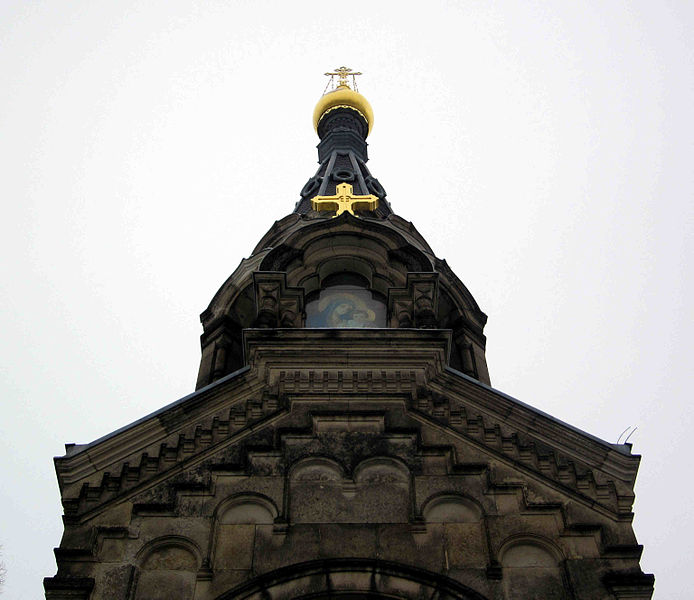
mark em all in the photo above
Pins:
pixel 318 385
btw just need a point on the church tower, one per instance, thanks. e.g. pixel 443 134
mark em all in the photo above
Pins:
pixel 344 439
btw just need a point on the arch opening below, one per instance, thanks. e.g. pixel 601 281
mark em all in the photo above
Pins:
pixel 351 579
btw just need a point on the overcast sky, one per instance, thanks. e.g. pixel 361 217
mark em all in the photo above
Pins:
pixel 543 149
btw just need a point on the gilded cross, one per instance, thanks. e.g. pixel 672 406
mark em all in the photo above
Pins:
pixel 344 200
pixel 342 74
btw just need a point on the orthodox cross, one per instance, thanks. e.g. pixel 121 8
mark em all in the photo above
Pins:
pixel 344 200
pixel 342 74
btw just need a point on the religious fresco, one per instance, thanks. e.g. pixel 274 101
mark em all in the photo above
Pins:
pixel 345 306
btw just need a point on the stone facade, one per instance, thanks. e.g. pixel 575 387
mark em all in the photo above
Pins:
pixel 317 462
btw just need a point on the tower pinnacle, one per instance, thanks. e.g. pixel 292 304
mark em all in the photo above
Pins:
pixel 343 119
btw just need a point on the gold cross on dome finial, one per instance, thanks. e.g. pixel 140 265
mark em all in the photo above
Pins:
pixel 344 200
pixel 342 74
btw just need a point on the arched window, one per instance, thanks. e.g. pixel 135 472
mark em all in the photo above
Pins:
pixel 345 300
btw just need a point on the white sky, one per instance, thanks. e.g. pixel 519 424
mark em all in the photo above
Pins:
pixel 543 149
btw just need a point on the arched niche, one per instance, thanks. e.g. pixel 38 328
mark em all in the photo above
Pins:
pixel 456 522
pixel 239 522
pixel 377 493
pixel 451 508
pixel 382 491
pixel 316 487
pixel 381 469
pixel 532 570
pixel 167 569
pixel 246 510
pixel 316 468
pixel 320 249
pixel 343 251
pixel 334 267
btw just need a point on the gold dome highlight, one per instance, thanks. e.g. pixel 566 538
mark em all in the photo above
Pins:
pixel 343 97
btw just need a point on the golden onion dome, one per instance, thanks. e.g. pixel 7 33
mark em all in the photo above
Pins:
pixel 343 97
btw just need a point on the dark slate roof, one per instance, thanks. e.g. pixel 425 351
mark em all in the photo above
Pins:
pixel 342 154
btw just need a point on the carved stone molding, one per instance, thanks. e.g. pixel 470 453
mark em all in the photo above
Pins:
pixel 277 305
pixel 414 306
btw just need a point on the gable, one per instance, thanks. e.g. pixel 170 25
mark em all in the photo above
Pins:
pixel 385 391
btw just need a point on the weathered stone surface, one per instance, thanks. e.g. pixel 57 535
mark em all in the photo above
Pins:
pixel 374 462
pixel 359 455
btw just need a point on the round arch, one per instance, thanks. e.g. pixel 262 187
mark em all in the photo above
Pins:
pixel 551 550
pixel 351 578
pixel 246 498
pixel 434 508
pixel 169 541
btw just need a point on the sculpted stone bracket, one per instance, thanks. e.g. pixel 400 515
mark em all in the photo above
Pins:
pixel 277 305
pixel 414 306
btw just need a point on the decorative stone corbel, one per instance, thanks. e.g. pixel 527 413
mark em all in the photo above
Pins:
pixel 414 305
pixel 277 305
